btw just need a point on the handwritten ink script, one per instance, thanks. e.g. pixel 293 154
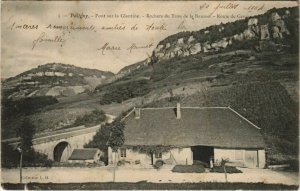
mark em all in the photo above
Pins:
pixel 70 26
pixel 43 38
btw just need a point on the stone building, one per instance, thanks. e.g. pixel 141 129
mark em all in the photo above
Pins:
pixel 192 134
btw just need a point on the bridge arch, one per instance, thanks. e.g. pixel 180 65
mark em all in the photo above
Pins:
pixel 62 151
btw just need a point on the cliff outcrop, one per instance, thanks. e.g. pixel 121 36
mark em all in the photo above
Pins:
pixel 256 28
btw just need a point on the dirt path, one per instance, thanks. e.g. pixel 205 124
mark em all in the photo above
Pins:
pixel 105 174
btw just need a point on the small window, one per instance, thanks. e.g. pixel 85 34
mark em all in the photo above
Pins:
pixel 158 155
pixel 123 152
pixel 238 155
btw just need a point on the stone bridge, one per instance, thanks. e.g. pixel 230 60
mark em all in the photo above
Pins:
pixel 58 145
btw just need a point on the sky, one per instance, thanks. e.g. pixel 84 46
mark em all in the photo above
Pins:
pixel 83 48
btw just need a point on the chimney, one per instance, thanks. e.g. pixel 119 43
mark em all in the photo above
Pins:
pixel 137 113
pixel 178 112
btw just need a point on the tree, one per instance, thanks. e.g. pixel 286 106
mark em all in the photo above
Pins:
pixel 101 138
pixel 111 135
pixel 94 118
pixel 26 132
pixel 116 139
pixel 9 156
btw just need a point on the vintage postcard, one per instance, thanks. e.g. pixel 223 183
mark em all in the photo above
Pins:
pixel 149 95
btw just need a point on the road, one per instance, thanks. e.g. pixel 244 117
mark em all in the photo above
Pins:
pixel 126 174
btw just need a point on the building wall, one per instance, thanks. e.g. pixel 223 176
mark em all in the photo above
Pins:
pixel 182 156
pixel 81 161
pixel 262 158
pixel 241 157
pixel 131 156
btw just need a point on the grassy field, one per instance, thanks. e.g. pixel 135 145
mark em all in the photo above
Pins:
pixel 150 186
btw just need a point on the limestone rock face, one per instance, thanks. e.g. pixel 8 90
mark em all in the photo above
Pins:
pixel 248 34
pixel 189 45
pixel 160 47
pixel 158 54
pixel 275 17
pixel 223 43
pixel 186 53
pixel 264 32
pixel 282 28
pixel 252 31
pixel 191 39
pixel 238 37
pixel 279 28
pixel 252 21
pixel 206 47
pixel 286 15
pixel 255 29
pixel 276 32
pixel 220 44
pixel 195 48
pixel 180 41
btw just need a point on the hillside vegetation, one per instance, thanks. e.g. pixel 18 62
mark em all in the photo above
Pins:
pixel 54 79
pixel 287 17
pixel 256 77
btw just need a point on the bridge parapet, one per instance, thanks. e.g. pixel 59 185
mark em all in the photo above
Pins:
pixel 58 145
pixel 55 135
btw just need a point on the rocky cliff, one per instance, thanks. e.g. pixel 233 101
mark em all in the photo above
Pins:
pixel 271 26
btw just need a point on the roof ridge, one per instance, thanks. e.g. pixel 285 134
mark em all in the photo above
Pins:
pixel 87 149
pixel 204 107
pixel 182 108
pixel 231 109
pixel 127 114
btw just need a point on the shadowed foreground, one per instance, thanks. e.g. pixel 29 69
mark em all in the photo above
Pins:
pixel 149 186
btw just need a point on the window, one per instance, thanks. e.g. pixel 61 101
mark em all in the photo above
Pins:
pixel 238 154
pixel 158 155
pixel 123 152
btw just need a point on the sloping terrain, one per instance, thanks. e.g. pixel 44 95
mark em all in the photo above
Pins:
pixel 258 77
pixel 54 79
pixel 30 94
pixel 278 25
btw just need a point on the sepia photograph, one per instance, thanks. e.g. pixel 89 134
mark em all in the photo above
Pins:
pixel 149 95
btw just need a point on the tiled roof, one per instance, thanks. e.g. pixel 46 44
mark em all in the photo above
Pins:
pixel 218 127
pixel 83 154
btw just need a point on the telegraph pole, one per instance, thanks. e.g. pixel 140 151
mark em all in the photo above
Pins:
pixel 21 159
pixel 115 166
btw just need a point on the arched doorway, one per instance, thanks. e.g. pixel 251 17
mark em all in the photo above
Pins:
pixel 62 152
